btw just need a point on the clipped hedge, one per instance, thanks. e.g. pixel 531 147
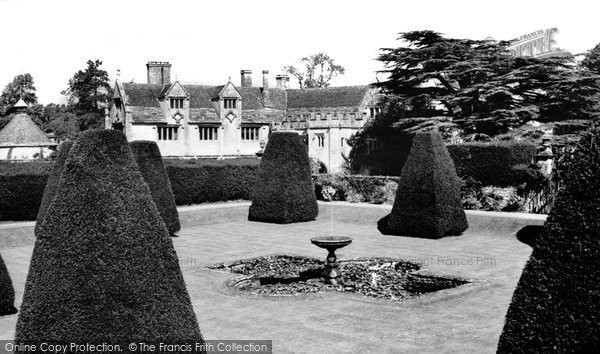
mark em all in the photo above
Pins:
pixel 493 164
pixel 284 191
pixel 103 267
pixel 195 183
pixel 53 179
pixel 149 160
pixel 556 305
pixel 22 188
pixel 7 292
pixel 428 202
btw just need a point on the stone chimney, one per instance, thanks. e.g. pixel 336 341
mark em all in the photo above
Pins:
pixel 282 81
pixel 265 79
pixel 246 80
pixel 159 72
pixel 265 89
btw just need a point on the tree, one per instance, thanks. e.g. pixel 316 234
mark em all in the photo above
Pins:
pixel 149 160
pixel 284 191
pixel 483 88
pixel 472 89
pixel 103 266
pixel 22 86
pixel 89 92
pixel 428 202
pixel 62 121
pixel 591 60
pixel 316 70
pixel 52 183
pixel 556 304
pixel 7 292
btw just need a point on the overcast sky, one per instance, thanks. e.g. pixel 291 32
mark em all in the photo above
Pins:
pixel 209 41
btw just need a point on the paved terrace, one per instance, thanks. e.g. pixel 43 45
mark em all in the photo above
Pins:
pixel 466 318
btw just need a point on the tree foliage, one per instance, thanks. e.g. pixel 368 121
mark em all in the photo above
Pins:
pixel 591 61
pixel 22 86
pixel 88 94
pixel 483 88
pixel 473 89
pixel 316 70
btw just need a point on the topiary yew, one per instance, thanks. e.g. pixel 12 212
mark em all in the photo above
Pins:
pixel 428 202
pixel 7 292
pixel 284 191
pixel 148 158
pixel 53 179
pixel 556 305
pixel 103 267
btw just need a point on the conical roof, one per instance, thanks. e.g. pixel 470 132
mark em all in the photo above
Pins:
pixel 22 131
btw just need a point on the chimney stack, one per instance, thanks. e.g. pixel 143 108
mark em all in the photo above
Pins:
pixel 159 72
pixel 265 89
pixel 282 81
pixel 265 79
pixel 246 78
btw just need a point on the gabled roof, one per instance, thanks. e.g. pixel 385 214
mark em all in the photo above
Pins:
pixel 175 90
pixel 22 131
pixel 227 90
pixel 343 96
pixel 147 95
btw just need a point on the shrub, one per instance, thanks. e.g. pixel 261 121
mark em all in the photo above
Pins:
pixel 52 183
pixel 284 191
pixel 428 202
pixel 330 187
pixel 355 188
pixel 556 305
pixel 149 161
pixel 7 292
pixel 493 164
pixel 103 266
pixel 21 189
pixel 372 190
pixel 202 183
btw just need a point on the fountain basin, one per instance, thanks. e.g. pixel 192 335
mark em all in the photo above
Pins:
pixel 332 272
pixel 334 242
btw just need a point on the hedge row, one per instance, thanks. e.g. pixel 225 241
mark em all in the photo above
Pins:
pixel 22 188
pixel 196 183
pixel 201 181
pixel 493 164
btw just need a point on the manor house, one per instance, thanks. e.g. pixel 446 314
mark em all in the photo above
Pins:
pixel 231 121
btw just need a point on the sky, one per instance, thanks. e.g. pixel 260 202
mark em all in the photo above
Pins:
pixel 208 42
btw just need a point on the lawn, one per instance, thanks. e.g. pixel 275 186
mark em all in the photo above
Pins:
pixel 466 318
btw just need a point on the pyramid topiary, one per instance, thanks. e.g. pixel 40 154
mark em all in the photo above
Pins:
pixel 52 183
pixel 7 292
pixel 284 191
pixel 103 267
pixel 148 158
pixel 428 202
pixel 556 305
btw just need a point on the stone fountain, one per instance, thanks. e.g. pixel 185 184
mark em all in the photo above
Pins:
pixel 331 273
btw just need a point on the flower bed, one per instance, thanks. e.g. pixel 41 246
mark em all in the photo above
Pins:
pixel 381 278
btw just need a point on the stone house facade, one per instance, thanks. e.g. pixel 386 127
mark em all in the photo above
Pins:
pixel 230 121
